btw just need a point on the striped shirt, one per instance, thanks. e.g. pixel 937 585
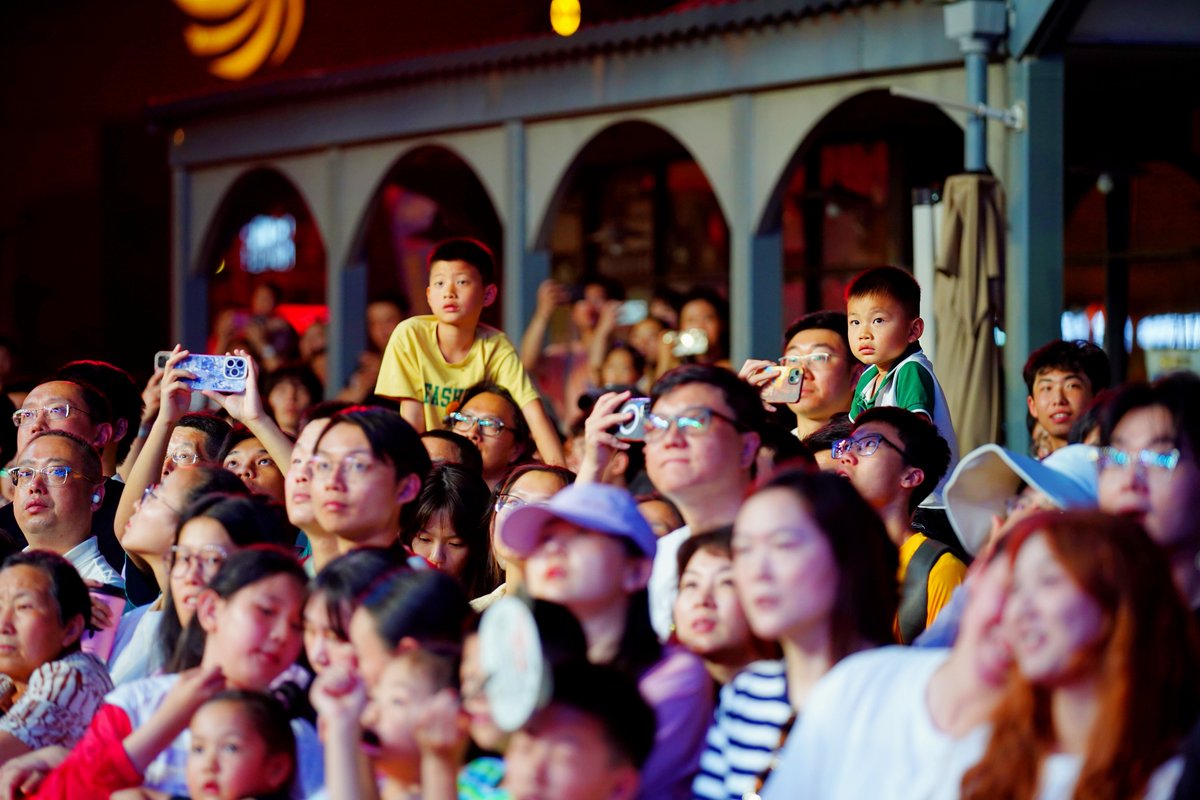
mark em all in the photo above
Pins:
pixel 745 732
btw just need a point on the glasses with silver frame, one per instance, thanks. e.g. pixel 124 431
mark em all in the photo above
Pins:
pixel 1150 460
pixel 58 411
pixel 694 421
pixel 57 475
pixel 809 360
pixel 208 558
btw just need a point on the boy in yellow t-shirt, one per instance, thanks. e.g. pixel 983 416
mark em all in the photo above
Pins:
pixel 894 458
pixel 432 359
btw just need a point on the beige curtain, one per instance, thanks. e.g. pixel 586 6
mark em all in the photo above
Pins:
pixel 970 268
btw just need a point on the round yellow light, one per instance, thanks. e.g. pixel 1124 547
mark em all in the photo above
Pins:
pixel 564 16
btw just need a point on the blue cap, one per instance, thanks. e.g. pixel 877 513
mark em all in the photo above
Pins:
pixel 593 506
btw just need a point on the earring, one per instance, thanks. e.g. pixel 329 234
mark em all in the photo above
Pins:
pixel 96 498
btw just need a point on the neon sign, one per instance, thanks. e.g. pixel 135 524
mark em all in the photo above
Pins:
pixel 268 244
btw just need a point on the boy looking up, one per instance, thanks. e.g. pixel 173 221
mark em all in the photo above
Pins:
pixel 432 359
pixel 883 311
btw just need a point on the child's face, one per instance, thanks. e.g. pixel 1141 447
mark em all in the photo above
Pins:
pixel 324 647
pixel 256 633
pixel 228 758
pixel 618 369
pixel 440 545
pixel 396 704
pixel 456 292
pixel 880 330
pixel 581 569
pixel 483 729
pixel 563 752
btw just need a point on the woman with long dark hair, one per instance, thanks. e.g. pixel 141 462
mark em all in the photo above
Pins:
pixel 816 573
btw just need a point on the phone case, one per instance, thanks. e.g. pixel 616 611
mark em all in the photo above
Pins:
pixel 786 387
pixel 217 373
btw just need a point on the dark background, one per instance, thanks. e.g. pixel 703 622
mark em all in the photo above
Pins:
pixel 85 204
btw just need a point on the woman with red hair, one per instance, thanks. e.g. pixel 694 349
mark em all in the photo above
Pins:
pixel 1108 666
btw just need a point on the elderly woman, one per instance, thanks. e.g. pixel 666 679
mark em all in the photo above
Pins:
pixel 49 688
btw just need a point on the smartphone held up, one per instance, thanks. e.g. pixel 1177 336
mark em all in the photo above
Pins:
pixel 217 373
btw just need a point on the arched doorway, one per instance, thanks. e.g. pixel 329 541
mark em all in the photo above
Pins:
pixel 428 195
pixel 844 202
pixel 635 206
pixel 263 237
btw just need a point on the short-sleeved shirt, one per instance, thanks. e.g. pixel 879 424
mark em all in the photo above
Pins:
pixel 413 368
pixel 745 733
pixel 946 575
pixel 910 385
pixel 59 702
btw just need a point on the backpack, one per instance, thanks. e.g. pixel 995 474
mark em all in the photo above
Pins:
pixel 914 595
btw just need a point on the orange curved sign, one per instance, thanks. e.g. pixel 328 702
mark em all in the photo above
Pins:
pixel 241 35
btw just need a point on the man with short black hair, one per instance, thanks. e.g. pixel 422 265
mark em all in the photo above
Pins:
pixel 702 437
pixel 895 458
pixel 819 343
pixel 1062 378
pixel 124 398
pixel 80 409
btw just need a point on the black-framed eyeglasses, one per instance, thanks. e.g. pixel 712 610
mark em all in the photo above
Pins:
pixel 864 446
pixel 463 423
pixel 58 411
pixel 694 421
pixel 57 475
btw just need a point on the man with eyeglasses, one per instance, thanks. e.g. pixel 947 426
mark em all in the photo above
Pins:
pixel 818 343
pixel 490 417
pixel 701 440
pixel 59 487
pixel 80 409
pixel 894 458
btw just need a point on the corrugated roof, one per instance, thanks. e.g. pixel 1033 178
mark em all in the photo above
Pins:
pixel 688 21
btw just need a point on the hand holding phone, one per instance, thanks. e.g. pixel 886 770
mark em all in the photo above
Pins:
pixel 215 373
pixel 788 383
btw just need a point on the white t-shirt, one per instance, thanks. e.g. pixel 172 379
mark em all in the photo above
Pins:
pixel 866 732
pixel 135 652
pixel 664 581
pixel 1060 771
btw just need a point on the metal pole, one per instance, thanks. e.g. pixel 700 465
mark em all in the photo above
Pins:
pixel 977 94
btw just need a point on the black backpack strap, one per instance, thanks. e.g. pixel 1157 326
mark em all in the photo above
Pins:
pixel 914 594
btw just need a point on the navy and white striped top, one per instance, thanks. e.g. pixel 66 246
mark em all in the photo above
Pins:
pixel 745 732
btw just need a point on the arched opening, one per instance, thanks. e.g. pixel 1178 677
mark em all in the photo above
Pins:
pixel 635 206
pixel 428 195
pixel 844 202
pixel 263 235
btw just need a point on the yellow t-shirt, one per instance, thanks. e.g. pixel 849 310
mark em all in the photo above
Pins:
pixel 947 573
pixel 413 368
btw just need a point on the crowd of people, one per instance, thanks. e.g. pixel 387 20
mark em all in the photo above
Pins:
pixel 260 594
